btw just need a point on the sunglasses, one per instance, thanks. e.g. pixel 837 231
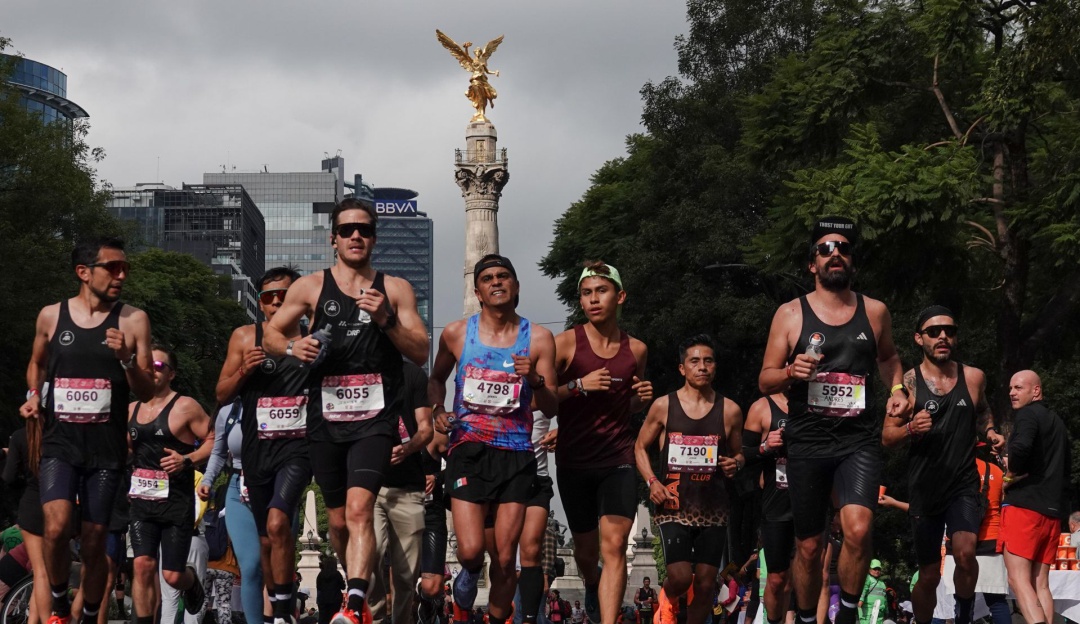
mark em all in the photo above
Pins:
pixel 935 330
pixel 828 247
pixel 114 267
pixel 160 366
pixel 346 230
pixel 266 297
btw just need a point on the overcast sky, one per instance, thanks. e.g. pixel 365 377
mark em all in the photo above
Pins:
pixel 176 89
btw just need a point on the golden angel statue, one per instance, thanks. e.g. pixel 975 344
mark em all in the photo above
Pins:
pixel 480 92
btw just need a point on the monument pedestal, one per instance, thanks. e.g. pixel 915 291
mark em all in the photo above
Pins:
pixel 640 564
pixel 480 170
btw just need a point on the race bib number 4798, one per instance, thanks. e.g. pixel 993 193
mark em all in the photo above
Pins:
pixel 837 394
pixel 492 392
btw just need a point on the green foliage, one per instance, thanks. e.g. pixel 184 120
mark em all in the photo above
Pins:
pixel 190 310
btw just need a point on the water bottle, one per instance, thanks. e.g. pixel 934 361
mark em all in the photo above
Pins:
pixel 323 336
pixel 813 348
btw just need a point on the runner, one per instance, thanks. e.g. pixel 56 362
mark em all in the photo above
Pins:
pixel 700 434
pixel 821 352
pixel 433 572
pixel 89 352
pixel 162 434
pixel 505 365
pixel 274 452
pixel 943 480
pixel 644 599
pixel 763 442
pixel 355 384
pixel 601 373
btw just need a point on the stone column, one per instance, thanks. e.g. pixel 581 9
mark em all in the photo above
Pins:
pixel 309 540
pixel 481 172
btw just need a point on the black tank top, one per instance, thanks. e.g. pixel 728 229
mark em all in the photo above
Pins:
pixel 829 416
pixel 775 501
pixel 941 464
pixel 148 444
pixel 691 468
pixel 87 396
pixel 274 420
pixel 356 391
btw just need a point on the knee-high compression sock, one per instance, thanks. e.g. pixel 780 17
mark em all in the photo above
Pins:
pixel 531 585
pixel 283 600
pixel 60 604
pixel 848 613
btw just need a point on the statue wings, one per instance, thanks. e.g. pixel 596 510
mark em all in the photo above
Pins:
pixel 460 54
pixel 485 52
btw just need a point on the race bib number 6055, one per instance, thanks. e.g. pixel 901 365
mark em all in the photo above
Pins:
pixel 348 398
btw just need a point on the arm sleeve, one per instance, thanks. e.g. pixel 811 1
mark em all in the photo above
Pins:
pixel 221 448
pixel 418 383
pixel 751 449
pixel 15 459
pixel 1022 442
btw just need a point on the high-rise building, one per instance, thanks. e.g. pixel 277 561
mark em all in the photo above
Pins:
pixel 297 209
pixel 217 224
pixel 43 89
pixel 405 246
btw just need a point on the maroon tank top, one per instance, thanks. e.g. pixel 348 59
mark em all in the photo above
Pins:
pixel 594 430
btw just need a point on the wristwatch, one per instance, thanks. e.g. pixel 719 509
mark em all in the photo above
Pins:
pixel 288 349
pixel 573 387
pixel 129 364
pixel 187 462
pixel 391 321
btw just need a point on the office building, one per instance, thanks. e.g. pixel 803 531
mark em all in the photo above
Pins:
pixel 43 89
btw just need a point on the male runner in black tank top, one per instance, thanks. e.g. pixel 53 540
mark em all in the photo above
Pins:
pixel 950 411
pixel 700 434
pixel 821 352
pixel 601 383
pixel 763 443
pixel 275 449
pixel 162 433
pixel 88 351
pixel 351 422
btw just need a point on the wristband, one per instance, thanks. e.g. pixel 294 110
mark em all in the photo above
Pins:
pixel 762 448
pixel 652 479
pixel 787 371
pixel 898 386
pixel 32 392
pixel 909 431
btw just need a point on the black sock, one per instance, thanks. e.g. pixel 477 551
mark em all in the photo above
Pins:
pixel 849 605
pixel 357 593
pixel 144 620
pixel 772 621
pixel 90 610
pixel 60 604
pixel 283 594
pixel 531 585
pixel 268 619
pixel 807 616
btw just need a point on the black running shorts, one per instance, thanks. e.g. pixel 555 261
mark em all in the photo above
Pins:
pixel 95 489
pixel 589 494
pixel 283 493
pixel 689 544
pixel 962 514
pixel 854 479
pixel 478 473
pixel 175 541
pixel 339 466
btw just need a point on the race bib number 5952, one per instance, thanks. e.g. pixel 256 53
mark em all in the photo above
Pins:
pixel 837 394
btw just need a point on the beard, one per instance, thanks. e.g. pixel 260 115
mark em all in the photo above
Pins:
pixel 104 295
pixel 931 354
pixel 835 280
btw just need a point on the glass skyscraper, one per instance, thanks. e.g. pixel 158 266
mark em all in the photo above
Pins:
pixel 43 89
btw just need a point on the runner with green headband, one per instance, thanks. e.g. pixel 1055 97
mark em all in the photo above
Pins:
pixel 601 383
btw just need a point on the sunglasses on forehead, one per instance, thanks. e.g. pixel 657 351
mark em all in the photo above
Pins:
pixel 114 267
pixel 266 297
pixel 935 330
pixel 828 247
pixel 346 230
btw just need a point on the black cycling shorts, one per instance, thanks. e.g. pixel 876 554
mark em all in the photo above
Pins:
pixel 778 539
pixel 962 514
pixel 433 548
pixel 854 479
pixel 689 544
pixel 542 492
pixel 339 466
pixel 31 516
pixel 283 493
pixel 174 541
pixel 589 494
pixel 94 489
pixel 478 473
pixel 116 547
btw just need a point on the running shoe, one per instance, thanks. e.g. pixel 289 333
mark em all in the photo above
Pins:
pixel 461 614
pixel 59 619
pixel 194 596
pixel 667 612
pixel 592 604
pixel 348 616
pixel 465 588
pixel 288 619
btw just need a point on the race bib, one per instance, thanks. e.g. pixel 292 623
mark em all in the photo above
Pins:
pixel 486 391
pixel 403 431
pixel 349 398
pixel 82 401
pixel 687 453
pixel 281 417
pixel 837 394
pixel 781 473
pixel 149 484
pixel 242 486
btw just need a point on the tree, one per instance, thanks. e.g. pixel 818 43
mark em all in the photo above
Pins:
pixel 191 311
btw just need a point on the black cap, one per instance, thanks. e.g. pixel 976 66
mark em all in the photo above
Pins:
pixel 931 312
pixel 835 225
pixel 492 260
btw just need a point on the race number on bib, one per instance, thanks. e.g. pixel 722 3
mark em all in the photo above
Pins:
pixel 688 453
pixel 486 391
pixel 837 394
pixel 281 417
pixel 781 473
pixel 149 484
pixel 348 398
pixel 82 401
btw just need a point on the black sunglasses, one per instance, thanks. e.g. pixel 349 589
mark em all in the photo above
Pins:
pixel 114 267
pixel 266 297
pixel 346 230
pixel 160 366
pixel 935 330
pixel 828 247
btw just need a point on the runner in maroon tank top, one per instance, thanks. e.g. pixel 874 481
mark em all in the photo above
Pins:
pixel 601 383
